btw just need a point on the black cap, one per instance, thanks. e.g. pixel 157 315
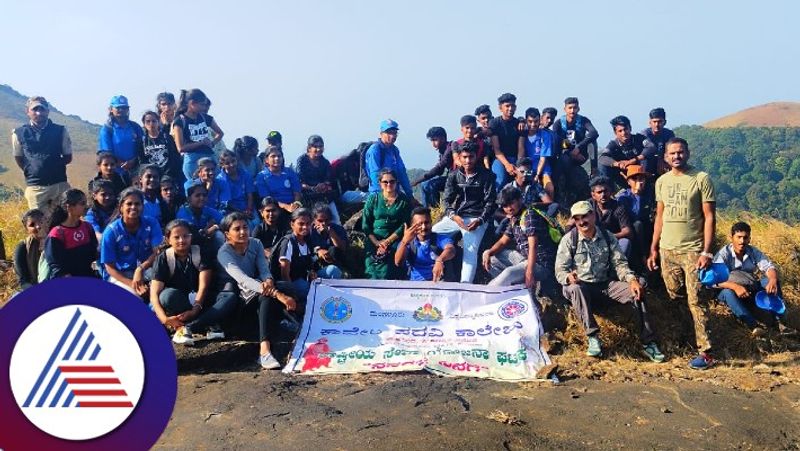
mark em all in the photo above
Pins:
pixel 274 137
pixel 315 141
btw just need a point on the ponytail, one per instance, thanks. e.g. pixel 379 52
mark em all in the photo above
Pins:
pixel 68 198
pixel 194 95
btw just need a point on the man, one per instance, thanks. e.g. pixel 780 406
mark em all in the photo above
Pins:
pixel 537 144
pixel 611 215
pixel 42 150
pixel 433 181
pixel 683 232
pixel 120 136
pixel 469 197
pixel 658 134
pixel 471 132
pixel 639 201
pixel 426 252
pixel 587 261
pixel 533 193
pixel 576 139
pixel 548 118
pixel 738 292
pixel 384 154
pixel 505 137
pixel 483 115
pixel 533 258
pixel 624 150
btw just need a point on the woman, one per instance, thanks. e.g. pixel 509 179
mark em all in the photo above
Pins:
pixel 316 177
pixel 203 219
pixel 180 293
pixel 129 243
pixel 165 105
pixel 120 136
pixel 158 148
pixel 246 276
pixel 219 193
pixel 279 182
pixel 190 130
pixel 292 258
pixel 71 246
pixel 385 214
pixel 271 229
pixel 239 181
pixel 246 149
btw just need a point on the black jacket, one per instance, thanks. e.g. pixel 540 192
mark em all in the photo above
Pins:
pixel 472 197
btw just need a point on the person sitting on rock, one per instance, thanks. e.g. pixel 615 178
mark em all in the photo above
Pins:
pixel 610 213
pixel 426 253
pixel 738 292
pixel 624 150
pixel 640 203
pixel 588 263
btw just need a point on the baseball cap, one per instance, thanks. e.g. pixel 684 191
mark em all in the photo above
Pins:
pixel 274 137
pixel 119 101
pixel 388 124
pixel 33 102
pixel 580 208
pixel 636 169
pixel 315 141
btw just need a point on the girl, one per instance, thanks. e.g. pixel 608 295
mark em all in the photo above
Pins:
pixel 190 130
pixel 219 193
pixel 246 276
pixel 150 184
pixel 315 175
pixel 171 198
pixel 278 182
pixel 165 105
pixel 129 243
pixel 239 182
pixel 203 219
pixel 385 214
pixel 246 149
pixel 158 148
pixel 291 259
pixel 271 228
pixel 104 199
pixel 28 251
pixel 71 245
pixel 107 170
pixel 180 293
pixel 329 242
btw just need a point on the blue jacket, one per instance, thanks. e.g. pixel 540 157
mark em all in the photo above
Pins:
pixel 379 156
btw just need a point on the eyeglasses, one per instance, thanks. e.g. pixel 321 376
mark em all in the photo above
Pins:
pixel 388 182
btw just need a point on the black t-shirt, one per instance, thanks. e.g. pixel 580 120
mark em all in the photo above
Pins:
pixel 508 134
pixel 268 237
pixel 615 218
pixel 195 130
pixel 159 151
pixel 186 277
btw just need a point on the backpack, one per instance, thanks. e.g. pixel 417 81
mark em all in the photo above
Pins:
pixel 554 229
pixel 363 175
pixel 195 258
pixel 43 273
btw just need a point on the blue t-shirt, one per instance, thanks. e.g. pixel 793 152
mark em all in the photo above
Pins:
pixel 539 146
pixel 122 141
pixel 152 208
pixel 218 196
pixel 422 264
pixel 281 186
pixel 199 221
pixel 98 219
pixel 125 250
pixel 238 189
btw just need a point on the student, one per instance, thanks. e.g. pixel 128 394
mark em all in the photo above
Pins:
pixel 158 148
pixel 165 105
pixel 245 275
pixel 483 114
pixel 314 171
pixel 433 180
pixel 640 203
pixel 424 252
pixel 107 170
pixel 171 199
pixel 328 242
pixel 505 137
pixel 246 150
pixel 610 214
pixel 271 228
pixel 292 259
pixel 104 201
pixel 120 136
pixel 384 216
pixel 538 146
pixel 71 246
pixel 533 193
pixel 181 290
pixel 219 192
pixel 624 150
pixel 658 134
pixel 239 181
pixel 190 130
pixel 548 118
pixel 279 182
pixel 470 132
pixel 385 154
pixel 129 243
pixel 150 184
pixel 576 140
pixel 29 250
pixel 346 175
pixel 204 219
pixel 469 199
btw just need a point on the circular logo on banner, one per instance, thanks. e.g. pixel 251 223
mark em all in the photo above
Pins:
pixel 336 310
pixel 512 308
pixel 88 364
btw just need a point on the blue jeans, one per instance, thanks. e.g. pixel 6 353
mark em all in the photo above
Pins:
pixel 500 174
pixel 190 162
pixel 432 191
pixel 741 307
pixel 329 272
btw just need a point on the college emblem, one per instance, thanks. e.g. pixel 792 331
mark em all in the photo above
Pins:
pixel 336 310
pixel 512 309
pixel 427 313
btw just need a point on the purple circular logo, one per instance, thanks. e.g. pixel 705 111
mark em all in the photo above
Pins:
pixel 88 367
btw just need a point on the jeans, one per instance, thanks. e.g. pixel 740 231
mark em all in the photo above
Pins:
pixel 741 307
pixel 500 174
pixel 354 197
pixel 176 301
pixel 190 162
pixel 432 190
pixel 472 241
pixel 329 272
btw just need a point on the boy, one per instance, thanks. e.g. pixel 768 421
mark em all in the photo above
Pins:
pixel 426 252
pixel 107 170
pixel 576 140
pixel 433 181
pixel 548 117
pixel 624 150
pixel 658 134
pixel 538 146
pixel 639 201
pixel 505 136
pixel 471 132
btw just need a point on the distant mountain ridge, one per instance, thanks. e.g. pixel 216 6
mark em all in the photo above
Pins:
pixel 775 114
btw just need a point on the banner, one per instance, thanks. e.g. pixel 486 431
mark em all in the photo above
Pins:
pixel 354 326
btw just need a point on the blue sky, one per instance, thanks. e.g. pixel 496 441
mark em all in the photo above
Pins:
pixel 338 68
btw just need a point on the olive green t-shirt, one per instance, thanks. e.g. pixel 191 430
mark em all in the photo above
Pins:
pixel 683 196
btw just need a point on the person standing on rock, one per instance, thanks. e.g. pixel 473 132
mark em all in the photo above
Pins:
pixel 683 234
pixel 42 150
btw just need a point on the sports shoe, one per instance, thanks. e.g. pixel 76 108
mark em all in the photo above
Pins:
pixel 702 361
pixel 215 333
pixel 653 353
pixel 268 362
pixel 758 332
pixel 594 349
pixel 183 336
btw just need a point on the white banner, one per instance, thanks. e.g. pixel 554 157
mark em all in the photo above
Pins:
pixel 354 326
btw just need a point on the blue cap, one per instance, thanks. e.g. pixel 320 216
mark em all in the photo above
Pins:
pixel 119 101
pixel 717 273
pixel 771 302
pixel 388 124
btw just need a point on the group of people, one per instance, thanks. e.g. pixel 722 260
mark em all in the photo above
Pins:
pixel 201 232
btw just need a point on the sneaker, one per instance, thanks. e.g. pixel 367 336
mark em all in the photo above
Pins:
pixel 594 349
pixel 183 336
pixel 702 361
pixel 215 333
pixel 758 332
pixel 653 353
pixel 268 362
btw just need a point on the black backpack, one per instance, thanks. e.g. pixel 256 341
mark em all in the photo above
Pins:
pixel 363 175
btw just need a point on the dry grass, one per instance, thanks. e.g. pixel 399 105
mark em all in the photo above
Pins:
pixel 13 233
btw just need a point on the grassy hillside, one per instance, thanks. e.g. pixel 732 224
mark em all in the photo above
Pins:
pixel 776 114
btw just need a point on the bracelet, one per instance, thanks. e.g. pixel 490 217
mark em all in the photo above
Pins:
pixel 707 254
